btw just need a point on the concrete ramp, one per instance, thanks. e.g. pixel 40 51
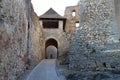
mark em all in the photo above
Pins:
pixel 45 70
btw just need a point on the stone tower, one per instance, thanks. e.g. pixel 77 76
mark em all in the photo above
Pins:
pixel 72 13
pixel 53 26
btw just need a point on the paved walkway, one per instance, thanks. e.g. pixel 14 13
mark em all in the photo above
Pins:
pixel 45 70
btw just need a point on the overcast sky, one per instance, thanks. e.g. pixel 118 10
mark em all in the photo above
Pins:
pixel 41 6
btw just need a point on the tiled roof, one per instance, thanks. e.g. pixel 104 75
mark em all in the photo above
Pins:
pixel 51 14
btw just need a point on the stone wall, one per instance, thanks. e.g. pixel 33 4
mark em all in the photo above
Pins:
pixel 84 55
pixel 17 21
pixel 72 19
pixel 117 16
pixel 36 40
pixel 58 35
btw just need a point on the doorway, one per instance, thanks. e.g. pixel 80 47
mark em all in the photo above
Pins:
pixel 51 49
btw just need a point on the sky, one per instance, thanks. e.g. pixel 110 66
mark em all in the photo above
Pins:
pixel 41 6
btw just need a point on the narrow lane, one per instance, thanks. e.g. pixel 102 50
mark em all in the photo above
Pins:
pixel 45 70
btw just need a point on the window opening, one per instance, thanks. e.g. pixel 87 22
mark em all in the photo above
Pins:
pixel 73 13
pixel 51 24
pixel 77 24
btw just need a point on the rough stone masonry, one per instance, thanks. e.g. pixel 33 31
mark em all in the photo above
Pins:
pixel 96 15
pixel 18 26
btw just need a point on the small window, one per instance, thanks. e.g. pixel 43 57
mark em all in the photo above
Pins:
pixel 73 13
pixel 77 24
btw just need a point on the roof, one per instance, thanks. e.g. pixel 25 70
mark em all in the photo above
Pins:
pixel 51 14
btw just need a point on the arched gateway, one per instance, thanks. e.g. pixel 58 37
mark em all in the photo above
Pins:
pixel 51 49
pixel 53 26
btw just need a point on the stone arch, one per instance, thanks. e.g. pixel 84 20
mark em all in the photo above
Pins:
pixel 51 42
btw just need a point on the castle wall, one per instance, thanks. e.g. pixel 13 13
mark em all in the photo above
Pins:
pixel 72 13
pixel 96 15
pixel 117 16
pixel 36 39
pixel 57 34
pixel 18 27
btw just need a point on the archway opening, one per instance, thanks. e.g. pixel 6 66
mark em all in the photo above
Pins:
pixel 51 49
pixel 73 13
pixel 51 52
